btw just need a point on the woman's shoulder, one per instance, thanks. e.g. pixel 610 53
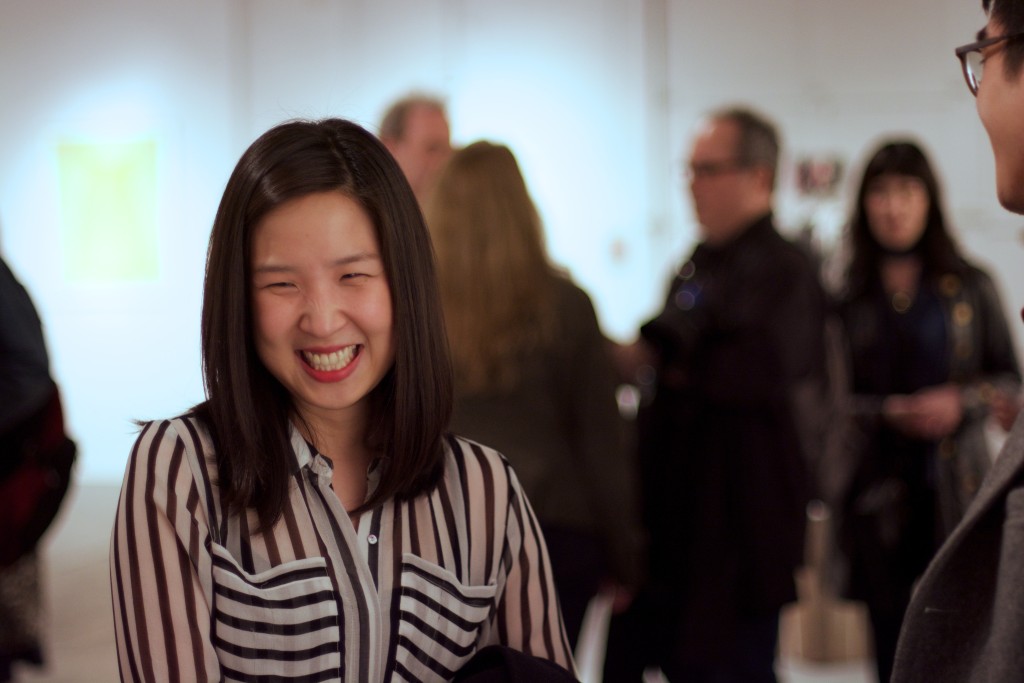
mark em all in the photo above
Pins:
pixel 573 304
pixel 188 429
pixel 480 466
pixel 975 273
pixel 165 444
pixel 172 473
pixel 461 450
pixel 568 292
pixel 969 277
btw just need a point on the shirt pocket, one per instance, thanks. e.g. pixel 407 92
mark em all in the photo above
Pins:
pixel 440 620
pixel 282 622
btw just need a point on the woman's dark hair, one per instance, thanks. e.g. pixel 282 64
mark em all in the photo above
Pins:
pixel 939 252
pixel 247 411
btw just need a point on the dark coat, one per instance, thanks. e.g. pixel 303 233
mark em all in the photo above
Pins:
pixel 979 357
pixel 725 464
pixel 966 617
pixel 25 382
pixel 907 494
pixel 561 430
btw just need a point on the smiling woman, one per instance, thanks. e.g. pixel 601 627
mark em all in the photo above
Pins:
pixel 322 322
pixel 322 314
pixel 312 519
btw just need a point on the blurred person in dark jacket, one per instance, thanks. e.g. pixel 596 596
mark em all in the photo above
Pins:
pixel 725 429
pixel 931 355
pixel 35 464
pixel 533 375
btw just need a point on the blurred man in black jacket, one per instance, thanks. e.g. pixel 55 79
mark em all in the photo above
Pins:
pixel 739 358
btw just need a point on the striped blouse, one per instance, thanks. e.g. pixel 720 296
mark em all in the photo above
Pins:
pixel 409 595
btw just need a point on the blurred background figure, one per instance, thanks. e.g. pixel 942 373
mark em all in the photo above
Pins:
pixel 35 465
pixel 932 359
pixel 415 130
pixel 738 358
pixel 533 375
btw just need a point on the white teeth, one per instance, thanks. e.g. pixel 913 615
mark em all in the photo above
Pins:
pixel 328 362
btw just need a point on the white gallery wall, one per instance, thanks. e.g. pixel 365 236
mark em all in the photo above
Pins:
pixel 596 97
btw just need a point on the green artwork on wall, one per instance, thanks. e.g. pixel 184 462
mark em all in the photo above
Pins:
pixel 108 211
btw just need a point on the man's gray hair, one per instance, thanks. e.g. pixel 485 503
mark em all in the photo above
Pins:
pixel 758 138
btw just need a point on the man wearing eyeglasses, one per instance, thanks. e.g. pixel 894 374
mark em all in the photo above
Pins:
pixel 738 351
pixel 966 619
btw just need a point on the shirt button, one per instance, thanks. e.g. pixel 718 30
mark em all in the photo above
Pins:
pixel 372 539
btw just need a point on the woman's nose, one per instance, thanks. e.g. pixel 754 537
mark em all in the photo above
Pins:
pixel 322 315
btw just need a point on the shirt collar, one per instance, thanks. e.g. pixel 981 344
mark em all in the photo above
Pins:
pixel 306 456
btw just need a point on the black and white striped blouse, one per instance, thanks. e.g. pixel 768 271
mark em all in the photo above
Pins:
pixel 409 595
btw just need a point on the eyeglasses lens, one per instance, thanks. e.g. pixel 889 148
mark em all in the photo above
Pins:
pixel 973 65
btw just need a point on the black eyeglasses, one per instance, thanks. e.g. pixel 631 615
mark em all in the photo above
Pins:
pixel 971 59
pixel 712 169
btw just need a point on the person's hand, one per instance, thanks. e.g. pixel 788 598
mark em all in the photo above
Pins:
pixel 622 596
pixel 933 413
pixel 630 358
pixel 1004 407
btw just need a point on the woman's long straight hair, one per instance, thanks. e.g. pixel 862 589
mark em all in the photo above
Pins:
pixel 938 250
pixel 496 279
pixel 247 410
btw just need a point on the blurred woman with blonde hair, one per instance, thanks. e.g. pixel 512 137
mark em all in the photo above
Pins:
pixel 532 372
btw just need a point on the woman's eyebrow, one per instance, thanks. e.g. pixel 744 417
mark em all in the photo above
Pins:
pixel 343 261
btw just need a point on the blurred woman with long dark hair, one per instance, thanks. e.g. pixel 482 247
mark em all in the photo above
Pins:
pixel 932 359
